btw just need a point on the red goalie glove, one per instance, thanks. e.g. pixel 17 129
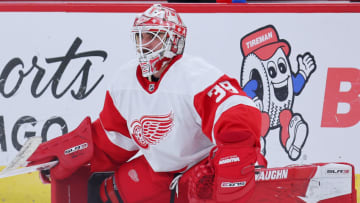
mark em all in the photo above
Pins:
pixel 72 150
pixel 227 176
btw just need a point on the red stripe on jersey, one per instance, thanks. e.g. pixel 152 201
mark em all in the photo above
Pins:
pixel 208 101
pixel 107 156
pixel 238 123
pixel 111 118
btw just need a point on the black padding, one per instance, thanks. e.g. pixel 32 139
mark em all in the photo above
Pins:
pixel 94 184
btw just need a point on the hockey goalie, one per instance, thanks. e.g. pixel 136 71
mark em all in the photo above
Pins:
pixel 194 131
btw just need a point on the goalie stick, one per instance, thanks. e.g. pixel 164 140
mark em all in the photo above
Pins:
pixel 19 164
pixel 28 169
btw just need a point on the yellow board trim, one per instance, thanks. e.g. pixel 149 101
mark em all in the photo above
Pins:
pixel 26 188
pixel 357 186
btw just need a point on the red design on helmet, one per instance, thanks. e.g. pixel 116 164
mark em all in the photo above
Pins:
pixel 166 28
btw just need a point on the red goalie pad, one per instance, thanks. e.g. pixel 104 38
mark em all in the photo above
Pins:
pixel 320 182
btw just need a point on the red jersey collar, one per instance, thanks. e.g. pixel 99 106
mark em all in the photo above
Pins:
pixel 151 87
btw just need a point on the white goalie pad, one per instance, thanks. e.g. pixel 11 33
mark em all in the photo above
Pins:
pixel 319 182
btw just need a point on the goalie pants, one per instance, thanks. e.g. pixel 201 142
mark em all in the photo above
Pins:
pixel 135 181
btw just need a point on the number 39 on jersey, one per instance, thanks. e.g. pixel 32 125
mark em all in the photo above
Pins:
pixel 220 90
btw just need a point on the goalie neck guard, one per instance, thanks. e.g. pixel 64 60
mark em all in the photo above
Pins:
pixel 159 34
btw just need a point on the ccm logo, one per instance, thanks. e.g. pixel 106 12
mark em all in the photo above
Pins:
pixel 234 184
pixel 76 148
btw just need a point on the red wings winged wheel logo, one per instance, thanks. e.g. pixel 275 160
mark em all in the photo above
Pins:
pixel 151 129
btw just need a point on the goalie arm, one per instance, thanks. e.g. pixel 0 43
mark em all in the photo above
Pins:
pixel 232 121
pixel 113 143
pixel 236 155
pixel 102 143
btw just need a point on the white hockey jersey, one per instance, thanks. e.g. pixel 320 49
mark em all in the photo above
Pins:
pixel 175 121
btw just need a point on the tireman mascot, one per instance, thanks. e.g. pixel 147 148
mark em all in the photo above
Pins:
pixel 196 130
pixel 267 77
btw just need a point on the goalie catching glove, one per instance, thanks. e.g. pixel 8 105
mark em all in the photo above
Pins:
pixel 72 150
pixel 228 175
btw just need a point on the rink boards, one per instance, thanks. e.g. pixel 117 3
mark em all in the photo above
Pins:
pixel 78 47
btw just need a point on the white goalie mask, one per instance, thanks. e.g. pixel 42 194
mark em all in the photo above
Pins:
pixel 159 34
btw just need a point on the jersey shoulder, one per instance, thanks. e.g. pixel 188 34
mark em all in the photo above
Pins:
pixel 196 71
pixel 124 76
pixel 195 66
